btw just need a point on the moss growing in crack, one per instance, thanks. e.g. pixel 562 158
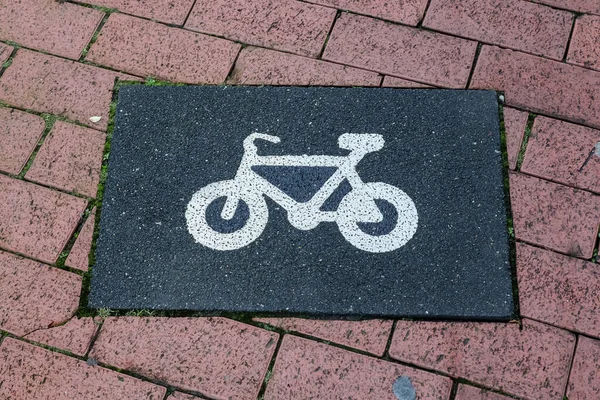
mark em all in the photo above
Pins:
pixel 150 81
pixel 528 128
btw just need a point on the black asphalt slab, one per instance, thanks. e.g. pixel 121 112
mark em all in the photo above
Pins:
pixel 408 219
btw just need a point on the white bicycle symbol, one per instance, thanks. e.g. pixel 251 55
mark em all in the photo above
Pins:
pixel 357 206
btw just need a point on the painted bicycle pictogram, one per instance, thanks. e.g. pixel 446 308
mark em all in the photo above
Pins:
pixel 358 207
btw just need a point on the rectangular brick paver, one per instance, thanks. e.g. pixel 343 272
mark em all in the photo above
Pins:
pixel 55 27
pixel 408 12
pixel 35 296
pixel 74 336
pixel 168 11
pixel 282 25
pixel 532 362
pixel 584 382
pixel 146 48
pixel 19 134
pixel 540 85
pixel 583 6
pixel 49 84
pixel 370 335
pixel 559 290
pixel 257 66
pixel 554 216
pixel 30 372
pixel 514 125
pixel 36 221
pixel 70 159
pixel 214 356
pixel 585 44
pixel 400 51
pixel 306 369
pixel 563 152
pixel 517 24
pixel 465 392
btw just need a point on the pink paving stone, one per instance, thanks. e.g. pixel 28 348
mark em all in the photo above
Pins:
pixel 540 85
pixel 517 24
pixel 408 12
pixel 19 134
pixel 30 372
pixel 5 52
pixel 401 51
pixel 257 66
pixel 554 216
pixel 370 336
pixel 472 393
pixel 282 25
pixel 306 369
pixel 70 159
pixel 79 256
pixel 584 382
pixel 147 48
pixel 583 6
pixel 392 81
pixel 35 296
pixel 75 336
pixel 49 84
pixel 56 27
pixel 36 221
pixel 168 11
pixel 514 126
pixel 559 290
pixel 216 357
pixel 585 43
pixel 532 362
pixel 564 153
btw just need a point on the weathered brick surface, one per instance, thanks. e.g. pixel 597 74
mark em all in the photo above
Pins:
pixel 408 12
pixel 559 290
pixel 78 257
pixel 400 51
pixel 563 152
pixel 532 362
pixel 70 159
pixel 30 372
pixel 472 393
pixel 257 66
pixel 34 296
pixel 517 24
pixel 514 125
pixel 282 25
pixel 392 81
pixel 584 382
pixel 74 336
pixel 370 335
pixel 214 356
pixel 182 396
pixel 307 369
pixel 56 27
pixel 19 134
pixel 540 85
pixel 585 43
pixel 554 216
pixel 36 221
pixel 168 11
pixel 49 84
pixel 583 6
pixel 5 52
pixel 146 48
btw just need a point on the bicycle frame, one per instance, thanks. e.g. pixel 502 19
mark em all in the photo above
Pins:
pixel 304 215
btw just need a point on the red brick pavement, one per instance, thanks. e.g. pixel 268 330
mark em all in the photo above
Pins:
pixel 543 54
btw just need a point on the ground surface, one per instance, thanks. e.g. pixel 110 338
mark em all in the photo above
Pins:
pixel 61 60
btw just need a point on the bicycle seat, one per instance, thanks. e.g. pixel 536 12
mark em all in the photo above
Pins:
pixel 361 141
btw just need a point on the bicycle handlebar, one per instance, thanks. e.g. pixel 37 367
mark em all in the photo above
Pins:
pixel 249 141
